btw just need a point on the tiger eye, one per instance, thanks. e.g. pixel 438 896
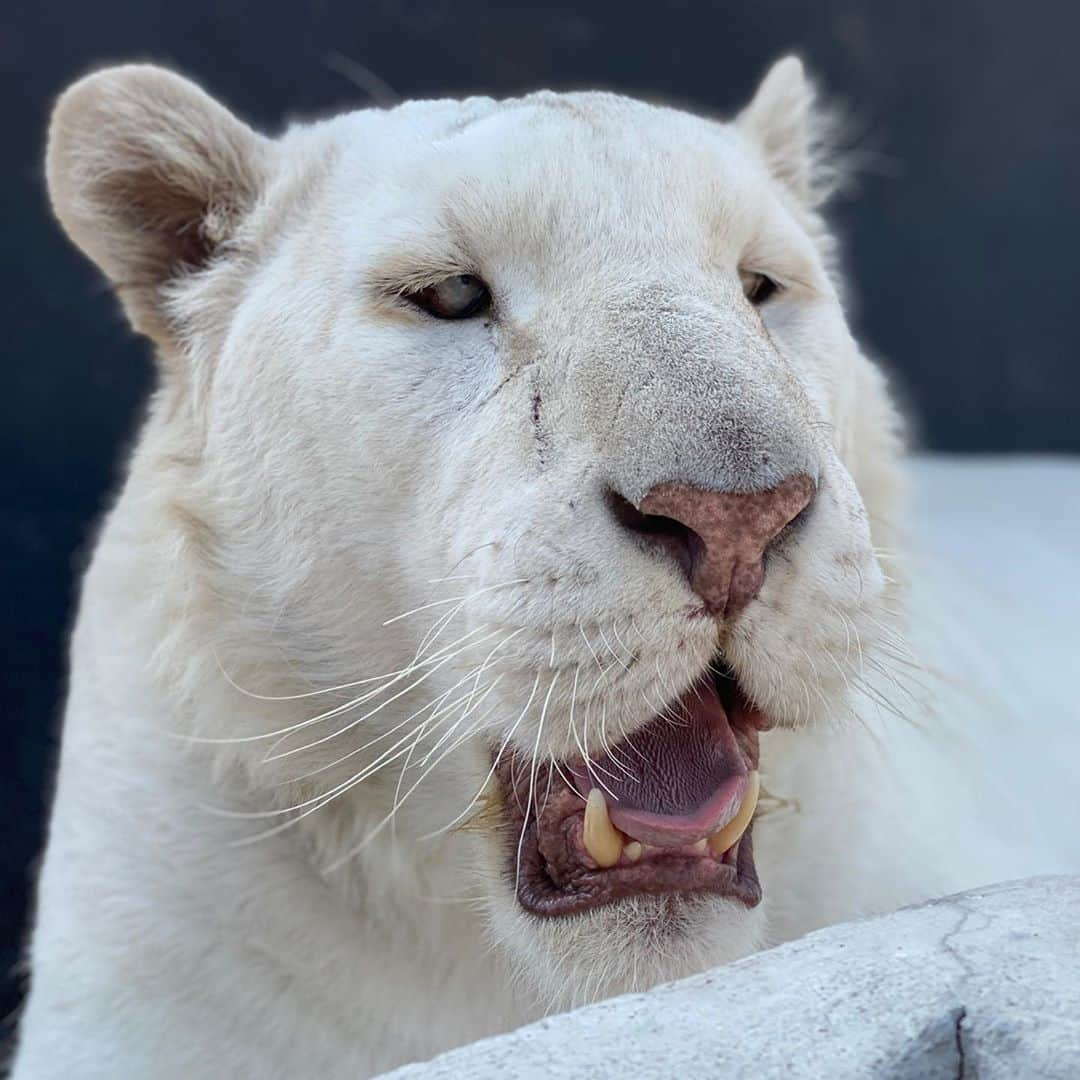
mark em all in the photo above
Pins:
pixel 459 297
pixel 758 288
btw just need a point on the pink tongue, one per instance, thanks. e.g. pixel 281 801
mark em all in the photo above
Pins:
pixel 677 779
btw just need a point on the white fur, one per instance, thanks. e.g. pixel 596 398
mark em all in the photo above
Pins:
pixel 320 459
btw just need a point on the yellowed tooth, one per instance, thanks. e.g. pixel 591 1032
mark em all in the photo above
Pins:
pixel 602 840
pixel 720 841
pixel 701 846
pixel 633 851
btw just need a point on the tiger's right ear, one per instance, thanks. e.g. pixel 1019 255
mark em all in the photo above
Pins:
pixel 150 176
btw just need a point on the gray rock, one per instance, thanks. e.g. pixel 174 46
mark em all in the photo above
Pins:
pixel 986 983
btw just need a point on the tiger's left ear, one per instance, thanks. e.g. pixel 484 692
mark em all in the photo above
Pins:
pixel 782 123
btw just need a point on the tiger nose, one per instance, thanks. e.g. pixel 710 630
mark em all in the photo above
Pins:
pixel 720 537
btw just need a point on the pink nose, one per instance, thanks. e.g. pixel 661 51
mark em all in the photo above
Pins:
pixel 727 534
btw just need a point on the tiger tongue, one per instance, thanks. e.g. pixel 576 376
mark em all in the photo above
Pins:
pixel 679 778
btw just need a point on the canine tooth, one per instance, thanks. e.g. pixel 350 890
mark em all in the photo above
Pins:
pixel 602 840
pixel 720 841
pixel 633 851
pixel 701 846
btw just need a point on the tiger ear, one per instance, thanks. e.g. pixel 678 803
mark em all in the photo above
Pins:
pixel 781 121
pixel 150 177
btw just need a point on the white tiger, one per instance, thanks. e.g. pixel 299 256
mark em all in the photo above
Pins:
pixel 512 472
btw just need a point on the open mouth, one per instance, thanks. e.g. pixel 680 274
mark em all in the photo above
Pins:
pixel 668 810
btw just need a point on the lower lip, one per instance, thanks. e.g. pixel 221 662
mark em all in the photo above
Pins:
pixel 669 876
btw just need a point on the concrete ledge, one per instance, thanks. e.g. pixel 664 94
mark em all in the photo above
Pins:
pixel 986 984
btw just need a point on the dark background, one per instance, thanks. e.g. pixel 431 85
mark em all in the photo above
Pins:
pixel 962 241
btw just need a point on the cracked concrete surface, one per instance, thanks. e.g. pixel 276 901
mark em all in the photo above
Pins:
pixel 984 984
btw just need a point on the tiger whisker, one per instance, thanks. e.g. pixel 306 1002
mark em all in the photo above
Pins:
pixel 378 708
pixel 451 599
pixel 491 772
